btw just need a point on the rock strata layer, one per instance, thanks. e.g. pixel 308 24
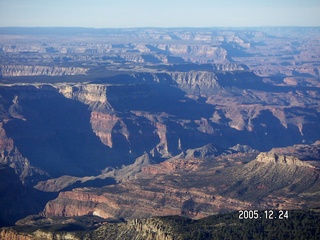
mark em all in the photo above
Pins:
pixel 198 188
pixel 281 159
pixel 25 70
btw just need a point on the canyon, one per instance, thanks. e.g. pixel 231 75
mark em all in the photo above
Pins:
pixel 188 122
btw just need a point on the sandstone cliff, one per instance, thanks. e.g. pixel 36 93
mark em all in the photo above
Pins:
pixel 93 95
pixel 197 83
pixel 103 119
pixel 25 70
pixel 196 53
pixel 281 159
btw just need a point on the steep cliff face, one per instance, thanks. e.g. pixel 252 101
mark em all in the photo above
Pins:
pixel 275 177
pixel 103 119
pixel 94 95
pixel 25 70
pixel 222 78
pixel 49 121
pixel 195 53
pixel 103 124
pixel 149 200
pixel 281 159
pixel 197 83
pixel 86 204
pixel 127 116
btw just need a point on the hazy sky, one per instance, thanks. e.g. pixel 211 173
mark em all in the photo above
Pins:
pixel 159 13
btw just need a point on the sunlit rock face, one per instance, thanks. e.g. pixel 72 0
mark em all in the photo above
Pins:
pixel 282 159
pixel 25 70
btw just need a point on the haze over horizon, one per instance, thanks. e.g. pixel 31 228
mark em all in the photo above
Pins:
pixel 143 13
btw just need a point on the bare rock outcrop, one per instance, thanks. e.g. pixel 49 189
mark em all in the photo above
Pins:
pixel 103 120
pixel 103 125
pixel 197 83
pixel 25 70
pixel 93 95
pixel 196 53
pixel 11 234
pixel 272 157
pixel 151 200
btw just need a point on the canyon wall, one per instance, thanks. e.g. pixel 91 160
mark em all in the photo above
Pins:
pixel 25 70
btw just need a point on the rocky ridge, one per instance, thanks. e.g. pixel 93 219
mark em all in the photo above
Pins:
pixel 24 70
pixel 281 159
pixel 197 188
pixel 123 174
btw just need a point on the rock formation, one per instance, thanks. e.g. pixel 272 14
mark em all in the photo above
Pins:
pixel 281 159
pixel 24 70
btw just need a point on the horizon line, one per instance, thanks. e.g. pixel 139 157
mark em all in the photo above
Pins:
pixel 145 27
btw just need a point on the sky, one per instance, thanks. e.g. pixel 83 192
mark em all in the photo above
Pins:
pixel 158 13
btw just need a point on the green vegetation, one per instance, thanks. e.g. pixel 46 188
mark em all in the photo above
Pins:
pixel 300 225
